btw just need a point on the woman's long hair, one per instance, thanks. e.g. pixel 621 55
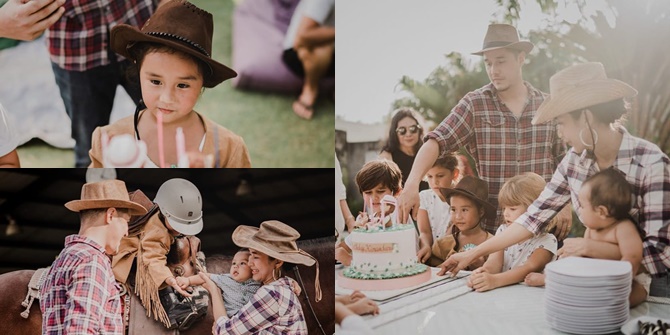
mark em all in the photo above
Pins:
pixel 392 143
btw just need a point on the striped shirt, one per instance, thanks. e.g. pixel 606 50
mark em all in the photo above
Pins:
pixel 501 144
pixel 79 294
pixel 79 41
pixel 646 168
pixel 274 309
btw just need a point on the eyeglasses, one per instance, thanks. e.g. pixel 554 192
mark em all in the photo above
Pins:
pixel 412 130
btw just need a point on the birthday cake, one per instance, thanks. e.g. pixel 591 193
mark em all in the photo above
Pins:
pixel 384 259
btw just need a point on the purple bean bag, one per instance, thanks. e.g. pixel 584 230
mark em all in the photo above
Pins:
pixel 258 34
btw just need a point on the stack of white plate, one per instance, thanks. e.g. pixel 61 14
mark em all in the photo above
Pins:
pixel 587 296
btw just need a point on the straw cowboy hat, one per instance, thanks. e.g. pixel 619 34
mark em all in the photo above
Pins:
pixel 277 240
pixel 503 36
pixel 180 25
pixel 475 189
pixel 580 86
pixel 105 194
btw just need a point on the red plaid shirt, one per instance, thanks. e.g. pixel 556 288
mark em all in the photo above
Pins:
pixel 79 41
pixel 79 294
pixel 646 168
pixel 502 145
pixel 274 309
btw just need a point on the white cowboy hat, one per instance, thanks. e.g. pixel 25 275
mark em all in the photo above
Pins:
pixel 580 86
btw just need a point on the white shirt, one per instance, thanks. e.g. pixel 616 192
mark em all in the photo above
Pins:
pixel 518 254
pixel 340 194
pixel 8 138
pixel 439 212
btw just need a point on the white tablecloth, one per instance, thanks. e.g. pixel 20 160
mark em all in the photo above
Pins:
pixel 453 309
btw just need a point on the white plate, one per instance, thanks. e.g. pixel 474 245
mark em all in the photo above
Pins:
pixel 588 267
pixel 631 327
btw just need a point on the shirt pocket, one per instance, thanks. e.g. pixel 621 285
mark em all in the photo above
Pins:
pixel 493 121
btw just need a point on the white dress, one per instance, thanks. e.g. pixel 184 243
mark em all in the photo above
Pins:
pixel 518 254
pixel 439 212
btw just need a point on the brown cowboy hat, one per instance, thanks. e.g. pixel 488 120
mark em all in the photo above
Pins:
pixel 181 25
pixel 503 36
pixel 580 86
pixel 105 194
pixel 475 189
pixel 277 240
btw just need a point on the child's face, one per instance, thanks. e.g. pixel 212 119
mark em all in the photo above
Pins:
pixel 375 196
pixel 439 177
pixel 511 213
pixel 587 214
pixel 464 212
pixel 240 270
pixel 171 84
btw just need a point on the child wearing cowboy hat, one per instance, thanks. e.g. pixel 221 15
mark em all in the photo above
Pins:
pixel 173 55
pixel 469 205
pixel 274 308
pixel 79 293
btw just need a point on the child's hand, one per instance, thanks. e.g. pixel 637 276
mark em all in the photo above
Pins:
pixel 534 279
pixel 351 298
pixel 295 287
pixel 364 306
pixel 424 254
pixel 343 256
pixel 183 282
pixel 482 281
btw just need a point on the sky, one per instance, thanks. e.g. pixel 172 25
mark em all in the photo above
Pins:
pixel 380 41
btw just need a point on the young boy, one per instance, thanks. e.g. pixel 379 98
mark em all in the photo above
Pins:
pixel 237 287
pixel 605 201
pixel 376 180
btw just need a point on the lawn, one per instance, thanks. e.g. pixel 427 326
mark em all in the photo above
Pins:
pixel 275 137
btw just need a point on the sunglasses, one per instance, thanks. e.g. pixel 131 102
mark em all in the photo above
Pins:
pixel 412 130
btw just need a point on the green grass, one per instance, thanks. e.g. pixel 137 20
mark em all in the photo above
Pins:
pixel 275 136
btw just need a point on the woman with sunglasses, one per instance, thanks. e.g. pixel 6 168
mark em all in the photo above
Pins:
pixel 404 141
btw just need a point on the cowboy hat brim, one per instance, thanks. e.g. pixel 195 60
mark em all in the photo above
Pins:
pixel 80 205
pixel 243 237
pixel 521 45
pixel 593 92
pixel 122 35
pixel 489 210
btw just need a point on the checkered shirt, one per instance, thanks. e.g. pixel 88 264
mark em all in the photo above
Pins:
pixel 274 309
pixel 646 168
pixel 501 144
pixel 79 41
pixel 79 294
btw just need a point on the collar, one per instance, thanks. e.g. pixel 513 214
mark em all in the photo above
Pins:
pixel 76 238
pixel 625 156
pixel 532 91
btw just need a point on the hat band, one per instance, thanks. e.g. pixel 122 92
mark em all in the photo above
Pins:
pixel 196 46
pixel 496 44
pixel 317 284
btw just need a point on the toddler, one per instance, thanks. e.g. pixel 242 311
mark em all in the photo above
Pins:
pixel 511 265
pixel 172 53
pixel 469 205
pixel 434 213
pixel 604 206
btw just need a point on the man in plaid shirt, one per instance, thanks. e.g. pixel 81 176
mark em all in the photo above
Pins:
pixel 79 294
pixel 494 124
pixel 87 71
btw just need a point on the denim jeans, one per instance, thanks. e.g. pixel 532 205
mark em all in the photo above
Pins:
pixel 660 287
pixel 89 97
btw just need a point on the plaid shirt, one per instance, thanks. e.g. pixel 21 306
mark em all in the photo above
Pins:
pixel 502 145
pixel 646 168
pixel 274 309
pixel 79 41
pixel 79 294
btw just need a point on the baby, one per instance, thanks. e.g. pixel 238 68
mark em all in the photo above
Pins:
pixel 237 287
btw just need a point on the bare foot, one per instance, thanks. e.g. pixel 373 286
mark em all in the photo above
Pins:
pixel 303 110
pixel 534 279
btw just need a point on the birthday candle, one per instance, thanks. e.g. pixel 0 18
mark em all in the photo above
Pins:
pixel 181 147
pixel 161 151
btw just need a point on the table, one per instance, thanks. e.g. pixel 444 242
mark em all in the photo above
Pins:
pixel 454 309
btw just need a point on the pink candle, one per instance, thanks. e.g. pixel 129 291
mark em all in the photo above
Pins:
pixel 181 144
pixel 161 150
